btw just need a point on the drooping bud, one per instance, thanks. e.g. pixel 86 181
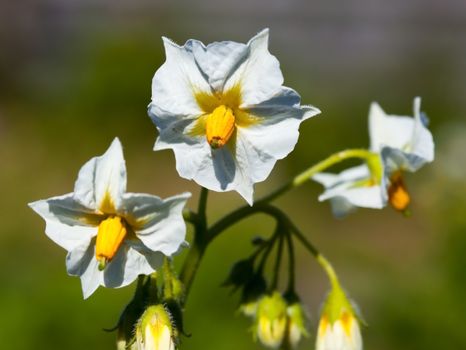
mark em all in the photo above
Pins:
pixel 339 325
pixel 220 125
pixel 296 324
pixel 271 320
pixel 155 330
pixel 127 324
pixel 240 274
pixel 112 231
pixel 398 195
pixel 253 291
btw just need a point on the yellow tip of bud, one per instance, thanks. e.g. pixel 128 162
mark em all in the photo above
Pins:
pixel 112 231
pixel 398 195
pixel 220 125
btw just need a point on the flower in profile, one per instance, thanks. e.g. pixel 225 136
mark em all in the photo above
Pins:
pixel 112 236
pixel 224 112
pixel 155 330
pixel 271 320
pixel 339 325
pixel 405 144
pixel 398 144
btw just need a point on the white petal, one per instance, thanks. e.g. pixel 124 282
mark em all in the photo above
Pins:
pixel 219 60
pixel 345 193
pixel 102 179
pixel 281 112
pixel 222 172
pixel 82 262
pixel 392 131
pixel 422 142
pixel 68 223
pixel 326 179
pixel 341 207
pixel 259 74
pixel 175 83
pixel 350 175
pixel 129 263
pixel 157 223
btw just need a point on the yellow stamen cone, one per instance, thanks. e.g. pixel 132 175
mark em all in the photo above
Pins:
pixel 220 125
pixel 112 232
pixel 398 195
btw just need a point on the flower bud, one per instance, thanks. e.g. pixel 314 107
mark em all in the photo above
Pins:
pixel 338 326
pixel 155 330
pixel 296 323
pixel 253 291
pixel 271 320
pixel 241 273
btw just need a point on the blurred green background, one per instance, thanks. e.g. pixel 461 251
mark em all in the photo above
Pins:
pixel 75 74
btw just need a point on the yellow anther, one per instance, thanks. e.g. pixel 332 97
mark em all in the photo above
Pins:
pixel 112 232
pixel 398 196
pixel 220 125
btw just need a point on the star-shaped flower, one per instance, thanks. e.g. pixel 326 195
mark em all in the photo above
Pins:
pixel 112 236
pixel 400 143
pixel 224 112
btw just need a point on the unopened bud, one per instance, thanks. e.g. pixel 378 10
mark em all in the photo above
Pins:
pixel 155 330
pixel 296 323
pixel 271 320
pixel 338 326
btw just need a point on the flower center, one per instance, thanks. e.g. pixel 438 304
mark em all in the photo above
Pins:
pixel 398 195
pixel 112 232
pixel 220 125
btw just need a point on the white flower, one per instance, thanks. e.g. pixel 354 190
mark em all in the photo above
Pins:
pixel 112 236
pixel 224 112
pixel 399 143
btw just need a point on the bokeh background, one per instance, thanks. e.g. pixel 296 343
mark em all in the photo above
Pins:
pixel 75 74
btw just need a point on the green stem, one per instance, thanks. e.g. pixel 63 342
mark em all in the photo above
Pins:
pixel 199 246
pixel 291 264
pixel 202 206
pixel 276 269
pixel 322 260
pixel 266 253
pixel 191 265
pixel 317 168
pixel 167 278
